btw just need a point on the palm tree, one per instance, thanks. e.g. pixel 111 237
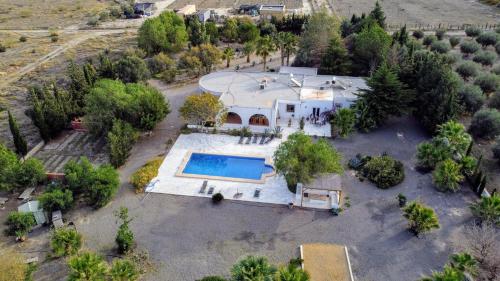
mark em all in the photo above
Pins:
pixel 253 268
pixel 265 46
pixel 248 49
pixel 290 45
pixel 291 273
pixel 228 54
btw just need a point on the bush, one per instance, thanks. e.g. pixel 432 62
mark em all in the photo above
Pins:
pixel 471 97
pixel 454 41
pixel 12 266
pixel 494 101
pixel 123 270
pixel 469 47
pixel 486 58
pixel 56 199
pixel 87 266
pixel 124 237
pixel 488 82
pixel 485 124
pixel 131 69
pixel 31 173
pixel 440 47
pixel 104 187
pixel 419 34
pixel 487 210
pixel 440 33
pixel 217 198
pixel 65 242
pixel 473 31
pixel 145 174
pixel 420 218
pixel 23 39
pixel 429 39
pixel 487 39
pixel 19 224
pixel 384 171
pixel 448 176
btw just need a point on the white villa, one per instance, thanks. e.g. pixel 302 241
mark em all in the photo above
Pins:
pixel 265 100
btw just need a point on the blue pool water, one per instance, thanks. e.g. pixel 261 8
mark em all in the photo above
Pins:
pixel 227 166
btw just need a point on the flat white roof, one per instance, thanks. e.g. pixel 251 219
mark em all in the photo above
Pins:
pixel 244 89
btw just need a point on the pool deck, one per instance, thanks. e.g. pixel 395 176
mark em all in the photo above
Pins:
pixel 273 189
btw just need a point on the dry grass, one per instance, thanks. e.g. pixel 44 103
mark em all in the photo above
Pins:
pixel 29 14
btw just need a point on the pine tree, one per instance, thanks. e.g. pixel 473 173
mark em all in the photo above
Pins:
pixel 378 14
pixel 386 97
pixel 19 141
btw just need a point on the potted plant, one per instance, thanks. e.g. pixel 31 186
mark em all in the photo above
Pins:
pixel 402 200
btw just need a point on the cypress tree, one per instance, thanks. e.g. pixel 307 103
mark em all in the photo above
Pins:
pixel 19 141
pixel 378 15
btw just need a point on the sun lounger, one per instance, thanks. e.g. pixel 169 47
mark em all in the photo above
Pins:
pixel 249 140
pixel 256 194
pixel 203 187
pixel 241 140
pixel 211 190
pixel 255 138
pixel 262 140
pixel 26 195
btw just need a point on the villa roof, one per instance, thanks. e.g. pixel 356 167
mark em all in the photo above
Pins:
pixel 326 182
pixel 262 89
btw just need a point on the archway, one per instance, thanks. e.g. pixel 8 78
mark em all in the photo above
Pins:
pixel 233 118
pixel 258 120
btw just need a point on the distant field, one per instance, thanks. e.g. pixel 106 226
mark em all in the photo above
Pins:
pixel 48 13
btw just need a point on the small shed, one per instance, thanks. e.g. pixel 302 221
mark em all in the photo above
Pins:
pixel 324 192
pixel 34 208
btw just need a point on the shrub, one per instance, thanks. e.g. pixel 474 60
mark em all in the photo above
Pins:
pixel 487 39
pixel 23 39
pixel 123 270
pixel 472 97
pixel 19 224
pixel 487 210
pixel 440 33
pixel 384 171
pixel 429 39
pixel 217 198
pixel 472 31
pixel 420 218
pixel 418 34
pixel 31 173
pixel 440 47
pixel 87 266
pixel 131 69
pixel 488 82
pixel 469 47
pixel 124 237
pixel 12 266
pixel 104 186
pixel 253 268
pixel 494 101
pixel 65 242
pixel 454 41
pixel 447 176
pixel 485 124
pixel 486 58
pixel 145 174
pixel 56 199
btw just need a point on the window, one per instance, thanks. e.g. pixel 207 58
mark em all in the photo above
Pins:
pixel 290 108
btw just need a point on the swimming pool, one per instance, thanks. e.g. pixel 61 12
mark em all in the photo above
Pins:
pixel 226 167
